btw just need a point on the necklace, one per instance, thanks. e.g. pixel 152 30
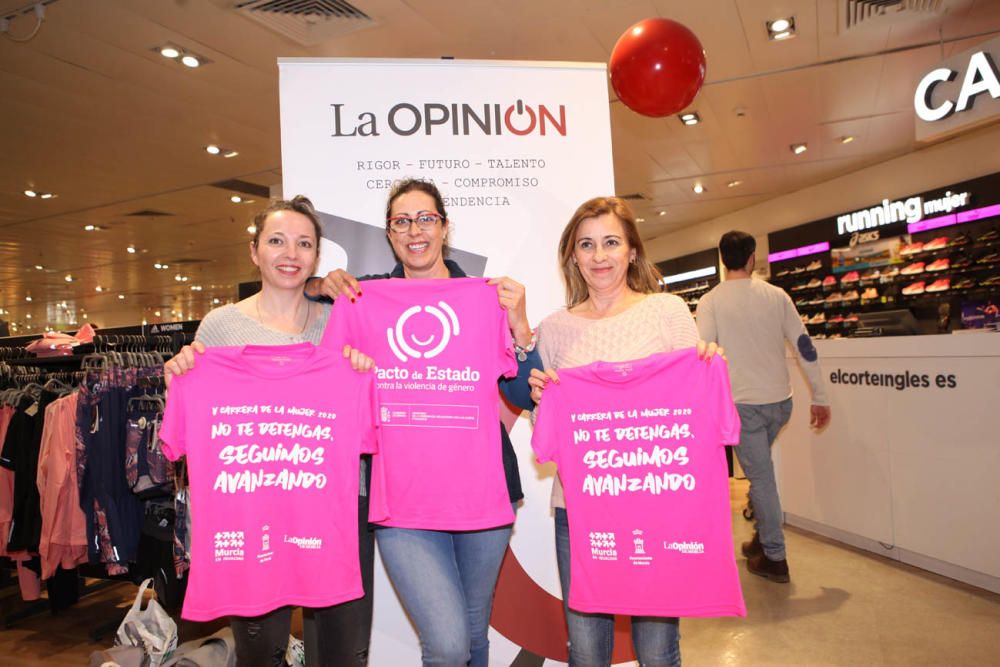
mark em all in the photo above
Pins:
pixel 305 323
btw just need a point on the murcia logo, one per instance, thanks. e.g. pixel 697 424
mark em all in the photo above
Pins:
pixel 229 545
pixel 401 335
pixel 602 545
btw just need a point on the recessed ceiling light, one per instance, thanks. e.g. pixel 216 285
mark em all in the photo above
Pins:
pixel 690 118
pixel 85 316
pixel 662 213
pixel 157 313
pixel 640 219
pixel 213 149
pixel 130 249
pixel 781 28
pixel 236 199
pixel 230 154
pixel 170 52
pixel 68 278
pixel 733 184
pixel 30 193
pixel 846 139
pixel 698 188
pixel 798 149
pixel 28 316
pixel 215 301
pixel 98 289
pixel 195 288
pixel 121 297
pixel 28 299
pixel 252 229
pixel 46 195
pixel 39 267
pixel 191 61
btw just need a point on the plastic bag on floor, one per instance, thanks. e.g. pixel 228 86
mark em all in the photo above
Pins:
pixel 150 629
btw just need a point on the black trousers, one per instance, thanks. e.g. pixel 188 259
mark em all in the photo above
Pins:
pixel 334 636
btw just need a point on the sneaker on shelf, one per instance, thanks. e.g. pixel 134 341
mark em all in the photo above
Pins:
pixel 801 302
pixel 961 263
pixel 815 282
pixel 912 269
pixel 796 288
pixel 814 265
pixel 799 269
pixel 992 281
pixel 804 318
pixel 912 248
pixel 852 295
pixel 939 285
pixel 988 237
pixel 991 258
pixel 871 274
pixel 914 288
pixel 782 273
pixel 836 319
pixel 853 317
pixel 818 318
pixel 961 239
pixel 829 281
pixel 939 265
pixel 937 244
pixel 869 294
pixel 818 301
pixel 964 283
pixel 836 297
pixel 890 273
pixel 850 277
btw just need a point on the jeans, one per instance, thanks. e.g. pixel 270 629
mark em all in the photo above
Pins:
pixel 759 426
pixel 335 636
pixel 656 639
pixel 445 581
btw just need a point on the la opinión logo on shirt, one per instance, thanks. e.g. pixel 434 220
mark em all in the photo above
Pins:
pixel 685 547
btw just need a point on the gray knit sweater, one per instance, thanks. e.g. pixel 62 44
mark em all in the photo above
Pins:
pixel 228 325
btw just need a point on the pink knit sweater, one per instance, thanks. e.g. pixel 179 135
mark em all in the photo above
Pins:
pixel 658 323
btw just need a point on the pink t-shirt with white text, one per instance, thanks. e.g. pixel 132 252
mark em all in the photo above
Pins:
pixel 639 447
pixel 439 347
pixel 273 437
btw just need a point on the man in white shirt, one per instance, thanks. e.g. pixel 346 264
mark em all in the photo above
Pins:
pixel 751 319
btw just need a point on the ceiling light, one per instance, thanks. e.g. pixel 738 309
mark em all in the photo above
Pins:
pixel 89 228
pixel 690 118
pixel 781 28
pixel 195 288
pixel 121 297
pixel 213 149
pixel 68 278
pixel 98 289
pixel 780 25
pixel 230 154
pixel 130 249
pixel 252 229
pixel 640 219
pixel 698 188
pixel 85 316
pixel 846 139
pixel 236 199
pixel 191 61
pixel 170 52
pixel 46 195
pixel 28 316
pixel 30 193
pixel 663 212
pixel 215 300
pixel 798 149
pixel 181 279
pixel 733 184
pixel 28 299
pixel 39 267
pixel 157 313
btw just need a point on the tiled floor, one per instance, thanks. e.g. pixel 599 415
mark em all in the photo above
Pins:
pixel 844 607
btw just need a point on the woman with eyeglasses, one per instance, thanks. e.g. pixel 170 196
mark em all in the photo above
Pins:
pixel 445 579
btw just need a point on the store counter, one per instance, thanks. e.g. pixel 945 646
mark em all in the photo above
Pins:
pixel 909 467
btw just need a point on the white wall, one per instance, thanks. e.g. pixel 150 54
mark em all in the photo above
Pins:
pixel 959 159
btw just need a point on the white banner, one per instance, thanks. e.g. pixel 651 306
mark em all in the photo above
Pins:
pixel 514 148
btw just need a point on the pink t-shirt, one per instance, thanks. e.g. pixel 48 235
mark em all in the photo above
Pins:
pixel 639 446
pixel 439 347
pixel 273 437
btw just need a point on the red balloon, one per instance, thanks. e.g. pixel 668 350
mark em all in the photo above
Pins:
pixel 657 67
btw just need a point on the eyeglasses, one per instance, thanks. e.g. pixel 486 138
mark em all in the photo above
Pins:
pixel 425 220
